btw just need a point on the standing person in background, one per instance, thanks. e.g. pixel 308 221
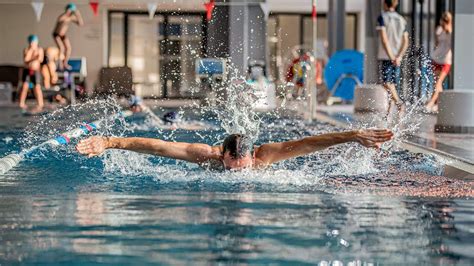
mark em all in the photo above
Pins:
pixel 393 36
pixel 32 57
pixel 52 56
pixel 442 57
pixel 62 25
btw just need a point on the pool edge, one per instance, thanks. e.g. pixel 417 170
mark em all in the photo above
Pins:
pixel 454 167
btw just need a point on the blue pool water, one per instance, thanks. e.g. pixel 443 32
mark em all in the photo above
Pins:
pixel 346 204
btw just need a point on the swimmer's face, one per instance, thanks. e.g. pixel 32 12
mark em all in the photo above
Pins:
pixel 136 108
pixel 34 44
pixel 237 163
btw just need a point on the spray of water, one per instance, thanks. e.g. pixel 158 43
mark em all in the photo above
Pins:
pixel 67 118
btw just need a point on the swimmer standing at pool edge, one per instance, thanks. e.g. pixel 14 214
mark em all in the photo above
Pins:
pixel 71 14
pixel 32 57
pixel 237 151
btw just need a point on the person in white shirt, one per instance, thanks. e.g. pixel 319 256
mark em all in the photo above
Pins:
pixel 393 36
pixel 441 57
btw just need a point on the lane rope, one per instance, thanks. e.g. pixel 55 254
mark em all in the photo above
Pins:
pixel 12 160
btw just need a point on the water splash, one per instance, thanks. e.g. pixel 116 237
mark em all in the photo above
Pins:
pixel 235 106
pixel 67 118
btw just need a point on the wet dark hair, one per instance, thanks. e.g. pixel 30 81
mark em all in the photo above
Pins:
pixel 391 3
pixel 238 145
pixel 171 117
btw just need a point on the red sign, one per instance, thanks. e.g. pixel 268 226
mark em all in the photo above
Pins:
pixel 209 7
pixel 95 7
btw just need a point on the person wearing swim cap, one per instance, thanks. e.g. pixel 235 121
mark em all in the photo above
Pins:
pixel 32 58
pixel 237 152
pixel 71 14
pixel 170 118
pixel 136 104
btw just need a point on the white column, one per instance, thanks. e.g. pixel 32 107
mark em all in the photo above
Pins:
pixel 463 45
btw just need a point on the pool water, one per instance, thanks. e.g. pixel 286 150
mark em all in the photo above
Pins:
pixel 344 205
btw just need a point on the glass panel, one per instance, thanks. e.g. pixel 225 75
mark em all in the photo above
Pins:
pixel 289 33
pixel 182 49
pixel 321 23
pixel 273 52
pixel 288 37
pixel 117 43
pixel 350 29
pixel 144 53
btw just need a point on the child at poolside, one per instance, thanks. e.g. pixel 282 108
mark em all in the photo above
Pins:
pixel 48 70
pixel 52 56
pixel 442 57
pixel 32 57
pixel 393 35
pixel 62 25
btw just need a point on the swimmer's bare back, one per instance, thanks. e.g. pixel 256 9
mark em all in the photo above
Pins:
pixel 210 156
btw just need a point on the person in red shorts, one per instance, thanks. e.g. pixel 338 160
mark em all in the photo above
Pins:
pixel 441 57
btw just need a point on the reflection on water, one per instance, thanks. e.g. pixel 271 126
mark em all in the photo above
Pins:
pixel 207 227
pixel 344 204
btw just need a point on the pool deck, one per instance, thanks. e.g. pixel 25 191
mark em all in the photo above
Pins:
pixel 456 149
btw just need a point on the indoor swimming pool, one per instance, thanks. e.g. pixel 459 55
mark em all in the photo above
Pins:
pixel 342 205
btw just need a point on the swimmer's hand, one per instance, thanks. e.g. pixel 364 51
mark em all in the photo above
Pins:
pixel 92 146
pixel 373 138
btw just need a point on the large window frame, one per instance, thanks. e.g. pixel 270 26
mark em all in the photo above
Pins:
pixel 304 16
pixel 165 14
pixel 276 75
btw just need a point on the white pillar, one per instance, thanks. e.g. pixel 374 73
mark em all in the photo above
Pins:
pixel 463 45
pixel 456 107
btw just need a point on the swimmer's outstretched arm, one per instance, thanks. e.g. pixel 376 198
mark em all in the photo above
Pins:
pixel 275 152
pixel 191 152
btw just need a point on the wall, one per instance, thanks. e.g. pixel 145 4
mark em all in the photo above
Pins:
pixel 322 6
pixel 463 43
pixel 247 40
pixel 17 21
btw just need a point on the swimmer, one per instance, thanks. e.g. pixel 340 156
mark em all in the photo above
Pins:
pixel 32 57
pixel 71 14
pixel 237 151
pixel 171 118
pixel 136 104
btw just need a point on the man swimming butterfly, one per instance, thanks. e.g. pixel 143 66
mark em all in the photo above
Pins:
pixel 237 151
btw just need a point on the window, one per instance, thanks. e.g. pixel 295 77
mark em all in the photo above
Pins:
pixel 287 31
pixel 160 51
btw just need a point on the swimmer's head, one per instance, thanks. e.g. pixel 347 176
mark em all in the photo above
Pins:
pixel 390 4
pixel 135 104
pixel 171 117
pixel 135 101
pixel 71 7
pixel 237 152
pixel 33 39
